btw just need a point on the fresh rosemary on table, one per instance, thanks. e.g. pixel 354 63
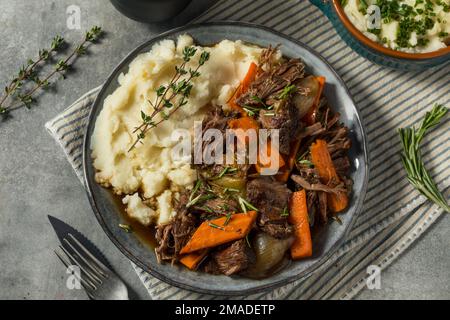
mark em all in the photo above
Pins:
pixel 15 93
pixel 418 175
pixel 166 96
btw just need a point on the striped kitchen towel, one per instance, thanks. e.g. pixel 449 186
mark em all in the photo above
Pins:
pixel 394 214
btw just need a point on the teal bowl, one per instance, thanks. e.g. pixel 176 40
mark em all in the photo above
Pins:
pixel 374 51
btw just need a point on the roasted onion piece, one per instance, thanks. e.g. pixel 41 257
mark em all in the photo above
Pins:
pixel 270 255
pixel 305 102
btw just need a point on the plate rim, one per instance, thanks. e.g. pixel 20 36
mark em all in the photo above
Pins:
pixel 258 288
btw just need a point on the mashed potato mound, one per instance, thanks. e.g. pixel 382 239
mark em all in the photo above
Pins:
pixel 436 37
pixel 148 171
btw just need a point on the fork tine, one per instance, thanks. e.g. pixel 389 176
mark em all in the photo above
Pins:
pixel 92 277
pixel 104 269
pixel 89 264
pixel 86 285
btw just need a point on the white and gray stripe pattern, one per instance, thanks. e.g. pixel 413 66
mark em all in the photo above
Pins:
pixel 394 215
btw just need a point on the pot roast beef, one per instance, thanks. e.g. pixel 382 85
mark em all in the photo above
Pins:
pixel 232 259
pixel 272 200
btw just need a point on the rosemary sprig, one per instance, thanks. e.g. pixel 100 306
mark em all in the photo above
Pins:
pixel 227 219
pixel 417 174
pixel 28 72
pixel 197 186
pixel 213 225
pixel 200 198
pixel 251 111
pixel 245 205
pixel 226 170
pixel 165 95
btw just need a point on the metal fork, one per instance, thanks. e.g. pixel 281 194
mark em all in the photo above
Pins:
pixel 98 280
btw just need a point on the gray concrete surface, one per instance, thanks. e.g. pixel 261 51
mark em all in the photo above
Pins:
pixel 36 180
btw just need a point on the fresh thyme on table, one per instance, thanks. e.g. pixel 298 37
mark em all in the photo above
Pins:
pixel 15 95
pixel 166 95
pixel 412 157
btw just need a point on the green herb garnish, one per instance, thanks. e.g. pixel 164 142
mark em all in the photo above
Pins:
pixel 227 190
pixel 287 91
pixel 248 241
pixel 285 212
pixel 171 97
pixel 226 170
pixel 417 174
pixel 200 198
pixel 227 219
pixel 306 163
pixel 259 100
pixel 127 228
pixel 213 225
pixel 207 209
pixel 197 186
pixel 251 111
pixel 245 205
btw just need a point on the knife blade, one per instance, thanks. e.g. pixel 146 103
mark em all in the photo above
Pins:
pixel 62 230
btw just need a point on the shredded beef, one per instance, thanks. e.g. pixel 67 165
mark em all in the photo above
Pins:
pixel 288 123
pixel 235 258
pixel 323 207
pixel 271 198
pixel 172 237
pixel 317 186
pixel 342 165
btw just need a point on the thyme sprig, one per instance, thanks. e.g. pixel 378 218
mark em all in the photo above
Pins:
pixel 417 174
pixel 28 72
pixel 166 95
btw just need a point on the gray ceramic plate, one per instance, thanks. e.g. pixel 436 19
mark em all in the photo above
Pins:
pixel 325 243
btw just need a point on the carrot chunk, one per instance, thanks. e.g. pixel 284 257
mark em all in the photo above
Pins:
pixel 268 150
pixel 321 160
pixel 192 260
pixel 298 217
pixel 243 87
pixel 244 123
pixel 249 77
pixel 216 232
